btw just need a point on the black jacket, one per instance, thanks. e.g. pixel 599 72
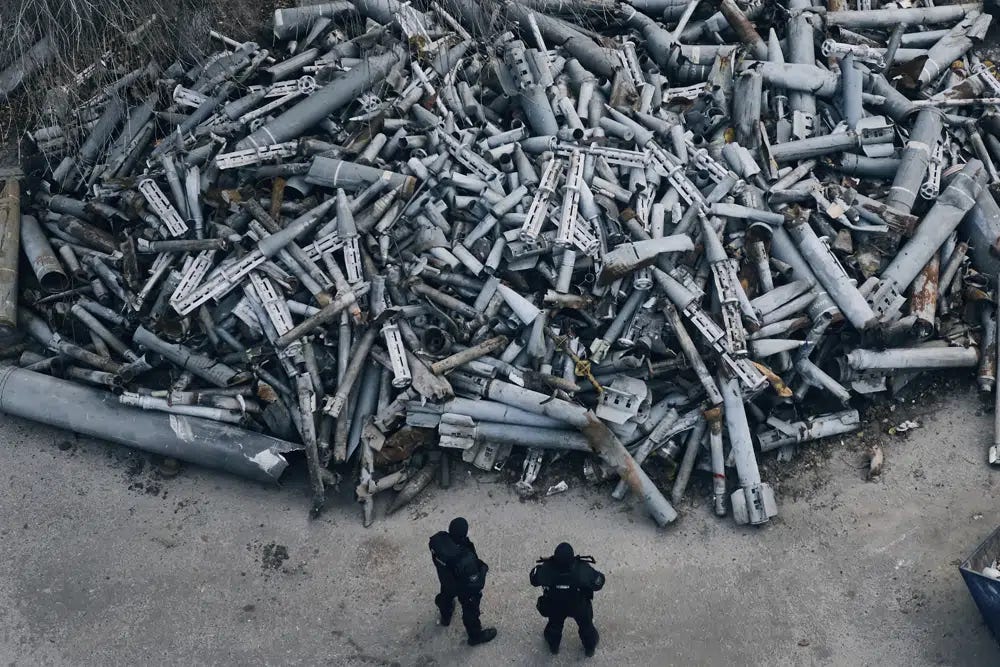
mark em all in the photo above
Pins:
pixel 458 565
pixel 567 588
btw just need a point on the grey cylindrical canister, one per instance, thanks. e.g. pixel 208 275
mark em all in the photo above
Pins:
pixel 851 85
pixel 744 29
pixel 873 167
pixel 825 426
pixel 982 228
pixel 888 18
pixel 943 218
pixel 538 111
pixel 801 50
pixel 805 78
pixel 531 436
pixel 896 105
pixel 831 275
pixel 334 173
pixel 215 372
pixel 815 146
pixel 98 137
pixel 746 108
pixel 912 358
pixel 738 430
pixel 331 97
pixel 290 21
pixel 916 157
pixel 99 414
pixel 42 258
pixel 954 45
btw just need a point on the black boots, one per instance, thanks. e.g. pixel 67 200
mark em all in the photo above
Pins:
pixel 483 636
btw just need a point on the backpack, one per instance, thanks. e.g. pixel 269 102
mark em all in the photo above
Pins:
pixel 580 580
pixel 461 562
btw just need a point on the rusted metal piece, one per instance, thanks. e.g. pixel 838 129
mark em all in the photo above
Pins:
pixel 10 234
pixel 744 29
pixel 604 443
pixel 924 298
pixel 87 234
pixel 487 347
pixel 987 374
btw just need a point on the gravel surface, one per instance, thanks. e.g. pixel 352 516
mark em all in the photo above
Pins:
pixel 108 562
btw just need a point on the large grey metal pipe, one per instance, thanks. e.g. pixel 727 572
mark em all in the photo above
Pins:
pixel 99 414
pixel 538 111
pixel 851 85
pixel 381 11
pixel 746 108
pixel 813 428
pixel 42 258
pixel 523 436
pixel 98 137
pixel 656 7
pixel 785 250
pixel 331 97
pixel 744 29
pixel 753 502
pixel 888 18
pixel 487 411
pixel 10 234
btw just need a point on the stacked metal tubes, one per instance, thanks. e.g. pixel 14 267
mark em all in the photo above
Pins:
pixel 655 239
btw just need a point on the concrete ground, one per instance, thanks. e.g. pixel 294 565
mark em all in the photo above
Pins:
pixel 106 563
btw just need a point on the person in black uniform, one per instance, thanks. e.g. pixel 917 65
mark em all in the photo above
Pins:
pixel 568 583
pixel 462 575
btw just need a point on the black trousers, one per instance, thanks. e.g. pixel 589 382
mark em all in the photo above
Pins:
pixel 445 601
pixel 583 614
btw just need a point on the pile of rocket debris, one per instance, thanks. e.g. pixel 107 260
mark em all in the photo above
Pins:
pixel 400 234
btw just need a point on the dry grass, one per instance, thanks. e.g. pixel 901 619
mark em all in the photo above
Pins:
pixel 100 34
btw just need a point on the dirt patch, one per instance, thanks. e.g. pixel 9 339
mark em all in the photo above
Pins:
pixel 139 474
pixel 273 555
pixel 377 554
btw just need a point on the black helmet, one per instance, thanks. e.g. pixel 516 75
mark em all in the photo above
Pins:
pixel 563 556
pixel 458 528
